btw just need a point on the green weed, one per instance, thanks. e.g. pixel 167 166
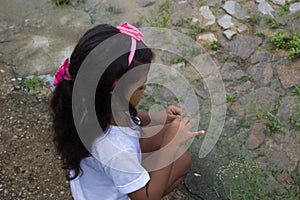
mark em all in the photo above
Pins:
pixel 113 10
pixel 230 98
pixel 244 79
pixel 67 2
pixel 289 42
pixel 285 9
pixel 195 79
pixel 271 22
pixel 273 123
pixel 160 16
pixel 34 84
pixel 242 180
pixel 254 19
pixel 216 46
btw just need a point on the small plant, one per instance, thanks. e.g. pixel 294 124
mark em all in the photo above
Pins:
pixel 287 42
pixel 216 46
pixel 231 98
pixel 242 180
pixel 195 79
pixel 67 2
pixel 271 22
pixel 33 84
pixel 284 9
pixel 113 10
pixel 178 98
pixel 245 79
pixel 273 123
pixel 297 90
pixel 160 16
pixel 254 19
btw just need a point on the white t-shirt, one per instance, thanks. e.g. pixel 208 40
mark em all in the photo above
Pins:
pixel 115 168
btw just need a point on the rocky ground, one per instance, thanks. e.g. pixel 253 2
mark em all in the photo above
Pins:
pixel 257 155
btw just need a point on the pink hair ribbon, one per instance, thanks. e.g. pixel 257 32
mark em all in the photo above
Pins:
pixel 62 73
pixel 135 35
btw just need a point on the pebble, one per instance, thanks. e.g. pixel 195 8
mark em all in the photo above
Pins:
pixel 206 37
pixel 279 2
pixel 225 21
pixel 242 29
pixel 207 15
pixel 235 9
pixel 295 7
pixel 265 8
pixel 182 1
pixel 229 34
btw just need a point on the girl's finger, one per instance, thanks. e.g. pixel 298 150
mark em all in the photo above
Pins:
pixel 198 133
pixel 190 124
pixel 185 121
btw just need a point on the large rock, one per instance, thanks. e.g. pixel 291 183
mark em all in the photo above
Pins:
pixel 262 73
pixel 288 109
pixel 243 46
pixel 235 9
pixel 230 72
pixel 258 101
pixel 256 137
pixel 289 74
pixel 284 151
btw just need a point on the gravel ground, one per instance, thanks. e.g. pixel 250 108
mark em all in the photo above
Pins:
pixel 29 168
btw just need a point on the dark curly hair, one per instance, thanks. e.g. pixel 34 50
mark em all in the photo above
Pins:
pixel 66 139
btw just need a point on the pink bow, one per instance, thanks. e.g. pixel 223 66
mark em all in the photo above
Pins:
pixel 62 73
pixel 135 35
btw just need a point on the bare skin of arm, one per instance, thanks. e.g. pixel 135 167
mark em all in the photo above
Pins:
pixel 163 117
pixel 173 139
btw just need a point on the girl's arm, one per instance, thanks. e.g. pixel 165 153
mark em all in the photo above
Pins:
pixel 175 136
pixel 162 117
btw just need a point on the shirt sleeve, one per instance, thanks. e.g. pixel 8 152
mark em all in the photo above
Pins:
pixel 126 172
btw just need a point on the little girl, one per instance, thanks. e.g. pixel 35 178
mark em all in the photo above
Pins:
pixel 91 178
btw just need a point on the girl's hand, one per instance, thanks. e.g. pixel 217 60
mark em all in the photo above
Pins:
pixel 179 131
pixel 172 113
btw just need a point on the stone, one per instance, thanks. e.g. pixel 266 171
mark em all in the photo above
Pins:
pixel 229 34
pixel 206 37
pixel 279 2
pixel 265 8
pixel 225 22
pixel 145 3
pixel 256 137
pixel 294 7
pixel 236 10
pixel 182 1
pixel 287 109
pixel 284 151
pixel 186 13
pixel 262 73
pixel 206 13
pixel 243 46
pixel 262 98
pixel 242 29
pixel 230 72
pixel 289 74
pixel 259 56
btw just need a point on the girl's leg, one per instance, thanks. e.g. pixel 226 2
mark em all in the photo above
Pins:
pixel 181 166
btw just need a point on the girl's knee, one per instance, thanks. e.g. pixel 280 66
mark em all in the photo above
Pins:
pixel 185 161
